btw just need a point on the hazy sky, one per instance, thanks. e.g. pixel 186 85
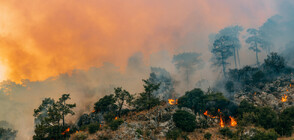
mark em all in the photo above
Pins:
pixel 40 39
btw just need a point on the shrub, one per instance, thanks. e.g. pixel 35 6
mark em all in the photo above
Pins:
pixel 80 136
pixel 266 117
pixel 93 127
pixel 286 122
pixel 173 134
pixel 207 136
pixel 115 124
pixel 109 117
pixel 227 132
pixel 267 135
pixel 184 120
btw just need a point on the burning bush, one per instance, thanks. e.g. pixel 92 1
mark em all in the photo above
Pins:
pixel 184 120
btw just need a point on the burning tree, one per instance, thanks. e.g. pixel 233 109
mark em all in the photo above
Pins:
pixel 48 118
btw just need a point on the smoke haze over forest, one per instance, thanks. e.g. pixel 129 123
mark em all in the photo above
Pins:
pixel 86 48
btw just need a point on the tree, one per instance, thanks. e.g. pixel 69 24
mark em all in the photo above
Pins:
pixel 274 63
pixel 7 134
pixel 286 122
pixel 146 99
pixel 193 99
pixel 48 116
pixel 106 104
pixel 121 96
pixel 233 41
pixel 221 51
pixel 184 120
pixel 188 63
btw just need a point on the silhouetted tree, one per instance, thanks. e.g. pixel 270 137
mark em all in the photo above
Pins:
pixel 146 99
pixel 221 51
pixel 188 63
pixel 122 96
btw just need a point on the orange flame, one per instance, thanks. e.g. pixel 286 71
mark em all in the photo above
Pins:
pixel 206 114
pixel 66 131
pixel 284 98
pixel 222 124
pixel 233 121
pixel 93 111
pixel 115 118
pixel 290 85
pixel 172 101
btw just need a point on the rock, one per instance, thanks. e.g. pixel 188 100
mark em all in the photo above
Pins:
pixel 142 117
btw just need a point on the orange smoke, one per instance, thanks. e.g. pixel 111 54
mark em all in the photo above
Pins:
pixel 43 39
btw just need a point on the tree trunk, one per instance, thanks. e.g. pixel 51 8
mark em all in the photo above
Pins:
pixel 224 67
pixel 256 51
pixel 238 57
pixel 235 59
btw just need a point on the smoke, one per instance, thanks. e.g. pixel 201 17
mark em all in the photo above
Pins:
pixel 86 48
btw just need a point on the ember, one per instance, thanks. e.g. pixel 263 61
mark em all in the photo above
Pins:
pixel 172 101
pixel 284 98
pixel 115 118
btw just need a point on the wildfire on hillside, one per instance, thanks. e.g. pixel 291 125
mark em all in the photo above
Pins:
pixel 284 98
pixel 172 101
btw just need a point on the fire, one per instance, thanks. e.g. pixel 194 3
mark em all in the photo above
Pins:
pixel 93 111
pixel 290 85
pixel 233 121
pixel 206 114
pixel 66 131
pixel 115 118
pixel 172 101
pixel 222 124
pixel 284 98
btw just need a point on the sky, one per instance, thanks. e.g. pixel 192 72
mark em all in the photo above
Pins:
pixel 40 39
pixel 87 47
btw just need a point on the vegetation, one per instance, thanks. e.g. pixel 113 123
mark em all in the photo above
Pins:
pixel 184 120
pixel 50 118
pixel 227 132
pixel 115 124
pixel 207 136
pixel 7 134
pixel 173 134
pixel 93 127
pixel 146 99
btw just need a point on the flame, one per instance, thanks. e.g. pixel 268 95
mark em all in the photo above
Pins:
pixel 233 121
pixel 290 85
pixel 93 111
pixel 66 131
pixel 172 101
pixel 206 114
pixel 284 98
pixel 115 118
pixel 222 124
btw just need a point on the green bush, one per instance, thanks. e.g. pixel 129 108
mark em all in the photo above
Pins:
pixel 267 135
pixel 93 127
pixel 109 117
pixel 184 120
pixel 266 117
pixel 115 124
pixel 207 136
pixel 173 134
pixel 286 122
pixel 227 132
pixel 139 131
